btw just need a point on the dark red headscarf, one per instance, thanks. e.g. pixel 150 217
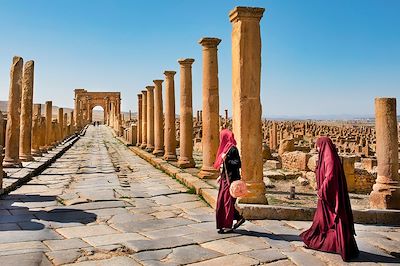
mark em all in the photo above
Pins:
pixel 226 141
pixel 331 181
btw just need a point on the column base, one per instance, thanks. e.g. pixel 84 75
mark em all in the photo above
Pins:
pixel 43 150
pixel 149 148
pixel 186 163
pixel 143 146
pixel 385 196
pixel 158 152
pixel 12 164
pixel 36 153
pixel 26 158
pixel 170 157
pixel 208 173
pixel 256 193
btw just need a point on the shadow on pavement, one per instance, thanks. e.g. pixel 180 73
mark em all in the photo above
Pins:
pixel 362 257
pixel 15 216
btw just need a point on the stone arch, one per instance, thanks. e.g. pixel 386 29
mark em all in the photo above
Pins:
pixel 85 102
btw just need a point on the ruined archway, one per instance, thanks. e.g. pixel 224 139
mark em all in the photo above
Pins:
pixel 98 114
pixel 85 102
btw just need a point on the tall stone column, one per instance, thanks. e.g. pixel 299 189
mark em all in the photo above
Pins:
pixel 1 169
pixel 210 116
pixel 25 137
pixel 72 126
pixel 169 128
pixel 386 191
pixel 43 130
pixel 139 120
pixel 37 110
pixel 158 119
pixel 60 120
pixel 2 131
pixel 246 77
pixel 144 119
pixel 150 118
pixel 65 125
pixel 186 115
pixel 77 113
pixel 11 158
pixel 273 137
pixel 48 109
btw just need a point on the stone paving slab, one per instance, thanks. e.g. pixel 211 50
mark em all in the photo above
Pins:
pixel 19 176
pixel 61 217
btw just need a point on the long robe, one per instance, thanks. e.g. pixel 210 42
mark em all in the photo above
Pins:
pixel 226 211
pixel 333 227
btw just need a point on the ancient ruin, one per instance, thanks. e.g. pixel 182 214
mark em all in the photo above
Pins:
pixel 124 189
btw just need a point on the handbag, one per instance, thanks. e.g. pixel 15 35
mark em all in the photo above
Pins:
pixel 238 188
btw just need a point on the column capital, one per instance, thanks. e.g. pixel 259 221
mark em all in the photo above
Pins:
pixel 144 92
pixel 140 95
pixel 209 42
pixel 169 73
pixel 150 88
pixel 186 61
pixel 158 81
pixel 242 12
pixel 48 102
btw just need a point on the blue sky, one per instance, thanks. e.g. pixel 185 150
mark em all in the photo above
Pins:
pixel 318 57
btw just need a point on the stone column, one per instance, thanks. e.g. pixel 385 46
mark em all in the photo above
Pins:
pixel 2 131
pixel 72 126
pixel 273 137
pixel 1 169
pixel 60 123
pixel 11 158
pixel 150 118
pixel 25 137
pixel 169 128
pixel 386 191
pixel 37 110
pixel 139 120
pixel 158 119
pixel 43 130
pixel 186 115
pixel 65 125
pixel 144 119
pixel 246 77
pixel 48 109
pixel 210 116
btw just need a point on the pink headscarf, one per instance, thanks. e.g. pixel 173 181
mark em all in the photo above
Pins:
pixel 226 141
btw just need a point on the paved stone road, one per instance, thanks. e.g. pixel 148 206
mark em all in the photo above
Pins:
pixel 99 204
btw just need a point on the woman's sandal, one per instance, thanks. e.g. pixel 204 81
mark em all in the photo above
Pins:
pixel 239 223
pixel 225 231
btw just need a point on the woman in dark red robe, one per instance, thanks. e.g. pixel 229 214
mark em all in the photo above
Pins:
pixel 333 228
pixel 228 161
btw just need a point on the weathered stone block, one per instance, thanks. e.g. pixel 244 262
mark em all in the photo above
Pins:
pixel 295 160
pixel 312 162
pixel 311 177
pixel 286 145
pixel 272 164
pixel 369 163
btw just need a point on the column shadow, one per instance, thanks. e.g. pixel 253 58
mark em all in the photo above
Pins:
pixel 14 217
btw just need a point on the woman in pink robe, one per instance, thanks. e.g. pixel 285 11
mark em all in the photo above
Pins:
pixel 229 160
pixel 333 228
